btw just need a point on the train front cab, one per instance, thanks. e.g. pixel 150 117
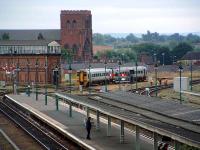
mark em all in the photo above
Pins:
pixel 82 78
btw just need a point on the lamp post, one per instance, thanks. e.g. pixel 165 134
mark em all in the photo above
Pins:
pixel 12 71
pixel 36 79
pixel 17 83
pixel 123 61
pixel 28 82
pixel 173 59
pixel 155 59
pixel 46 73
pixel 89 78
pixel 70 71
pixel 70 77
pixel 105 77
pixel 163 56
pixel 180 70
pixel 136 85
pixel 56 74
pixel 119 75
pixel 156 69
pixel 191 75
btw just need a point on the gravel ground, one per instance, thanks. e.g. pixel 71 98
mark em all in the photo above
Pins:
pixel 17 135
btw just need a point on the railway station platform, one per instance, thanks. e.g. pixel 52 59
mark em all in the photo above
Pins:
pixel 75 125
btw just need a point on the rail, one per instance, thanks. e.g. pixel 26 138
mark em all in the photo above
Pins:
pixel 37 133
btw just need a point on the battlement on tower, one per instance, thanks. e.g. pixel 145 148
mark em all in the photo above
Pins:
pixel 83 12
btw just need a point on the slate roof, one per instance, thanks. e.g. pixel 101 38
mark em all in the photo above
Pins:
pixel 191 56
pixel 25 42
pixel 48 34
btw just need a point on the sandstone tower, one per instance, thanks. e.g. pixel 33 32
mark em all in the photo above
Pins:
pixel 76 34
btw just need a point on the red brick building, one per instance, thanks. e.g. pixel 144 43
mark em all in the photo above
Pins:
pixel 76 33
pixel 26 47
pixel 27 62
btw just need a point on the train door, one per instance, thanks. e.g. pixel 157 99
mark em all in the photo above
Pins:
pixel 132 72
pixel 144 75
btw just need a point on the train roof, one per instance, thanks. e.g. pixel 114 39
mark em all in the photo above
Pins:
pixel 131 68
pixel 97 70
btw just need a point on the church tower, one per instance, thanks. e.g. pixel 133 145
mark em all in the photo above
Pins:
pixel 76 34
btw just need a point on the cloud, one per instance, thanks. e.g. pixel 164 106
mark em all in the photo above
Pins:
pixel 108 16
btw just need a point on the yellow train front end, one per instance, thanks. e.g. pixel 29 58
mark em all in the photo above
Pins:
pixel 82 78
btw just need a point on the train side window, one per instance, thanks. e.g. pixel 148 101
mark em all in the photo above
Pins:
pixel 132 72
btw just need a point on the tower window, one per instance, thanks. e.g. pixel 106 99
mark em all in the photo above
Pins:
pixel 68 24
pixel 74 24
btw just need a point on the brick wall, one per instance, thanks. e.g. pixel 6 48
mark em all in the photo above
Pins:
pixel 28 72
pixel 76 33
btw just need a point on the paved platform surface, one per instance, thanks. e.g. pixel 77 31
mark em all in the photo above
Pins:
pixel 165 107
pixel 75 125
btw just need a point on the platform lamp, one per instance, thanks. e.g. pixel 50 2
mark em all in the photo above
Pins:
pixel 156 72
pixel 89 78
pixel 70 71
pixel 28 82
pixel 180 70
pixel 136 84
pixel 12 73
pixel 119 75
pixel 46 73
pixel 56 71
pixel 105 63
pixel 70 77
pixel 190 75
pixel 17 83
pixel 36 80
pixel 163 56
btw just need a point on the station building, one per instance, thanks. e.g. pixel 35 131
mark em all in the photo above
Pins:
pixel 21 61
pixel 30 54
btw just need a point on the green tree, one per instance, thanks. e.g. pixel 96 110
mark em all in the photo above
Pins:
pixel 193 38
pixel 5 36
pixel 132 38
pixel 67 55
pixel 181 49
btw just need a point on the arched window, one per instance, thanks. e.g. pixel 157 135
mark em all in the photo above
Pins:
pixel 74 49
pixel 87 45
pixel 74 24
pixel 68 24
pixel 87 24
pixel 66 46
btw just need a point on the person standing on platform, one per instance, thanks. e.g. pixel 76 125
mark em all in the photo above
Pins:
pixel 88 127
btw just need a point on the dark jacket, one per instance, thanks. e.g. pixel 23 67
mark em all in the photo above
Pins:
pixel 88 125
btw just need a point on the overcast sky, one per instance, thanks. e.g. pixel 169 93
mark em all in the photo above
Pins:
pixel 109 16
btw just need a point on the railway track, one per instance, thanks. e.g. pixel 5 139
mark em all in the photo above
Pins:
pixel 47 137
pixel 107 103
pixel 149 91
